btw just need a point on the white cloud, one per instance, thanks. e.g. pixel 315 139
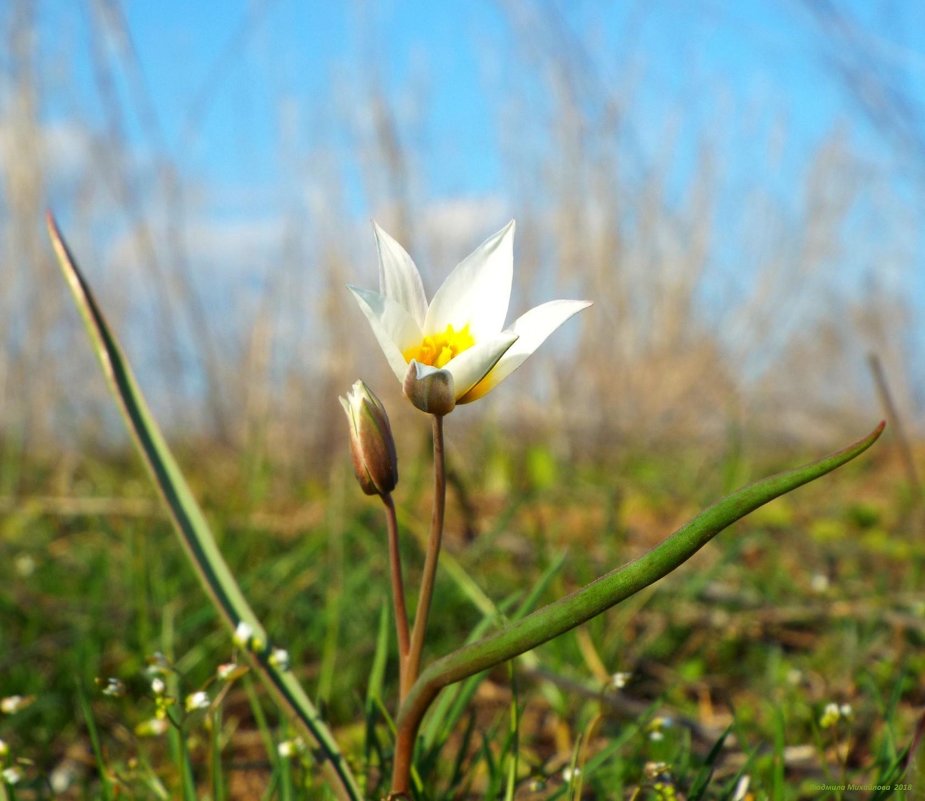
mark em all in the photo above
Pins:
pixel 461 223
pixel 62 146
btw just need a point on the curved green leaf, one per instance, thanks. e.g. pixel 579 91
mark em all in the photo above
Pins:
pixel 194 531
pixel 564 614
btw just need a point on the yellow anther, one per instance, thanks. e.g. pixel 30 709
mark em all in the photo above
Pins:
pixel 437 349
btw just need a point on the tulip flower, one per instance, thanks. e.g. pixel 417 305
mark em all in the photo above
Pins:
pixel 455 349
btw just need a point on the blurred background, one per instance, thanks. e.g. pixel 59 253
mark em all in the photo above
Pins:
pixel 739 188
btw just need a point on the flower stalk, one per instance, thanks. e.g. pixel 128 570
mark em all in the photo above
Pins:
pixel 431 558
pixel 398 588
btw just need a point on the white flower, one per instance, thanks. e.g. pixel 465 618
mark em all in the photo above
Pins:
pixel 620 679
pixel 197 700
pixel 113 688
pixel 15 703
pixel 158 685
pixel 819 583
pixel 290 748
pixel 243 634
pixel 460 336
pixel 229 671
pixel 154 727
pixel 830 716
pixel 12 775
pixel 279 658
pixel 158 665
pixel 64 776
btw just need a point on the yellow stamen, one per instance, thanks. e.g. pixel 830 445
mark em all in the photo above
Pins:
pixel 437 349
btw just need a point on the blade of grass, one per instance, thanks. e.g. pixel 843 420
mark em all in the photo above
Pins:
pixel 449 709
pixel 260 718
pixel 215 746
pixel 179 752
pixel 514 755
pixel 702 779
pixel 374 684
pixel 191 525
pixel 105 786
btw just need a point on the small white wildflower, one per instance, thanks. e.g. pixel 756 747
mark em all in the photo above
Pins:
pixel 845 711
pixel 657 726
pixel 113 688
pixel 226 671
pixel 830 716
pixel 197 700
pixel 242 634
pixel 620 679
pixel 153 727
pixel 12 775
pixel 157 664
pixel 290 748
pixel 64 776
pixel 4 748
pixel 15 703
pixel 655 769
pixel 158 686
pixel 570 774
pixel 819 583
pixel 279 658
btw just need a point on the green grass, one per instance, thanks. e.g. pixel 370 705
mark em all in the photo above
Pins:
pixel 811 600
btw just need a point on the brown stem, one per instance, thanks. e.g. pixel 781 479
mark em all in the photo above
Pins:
pixel 413 664
pixel 398 588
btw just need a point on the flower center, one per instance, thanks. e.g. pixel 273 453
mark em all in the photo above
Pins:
pixel 437 349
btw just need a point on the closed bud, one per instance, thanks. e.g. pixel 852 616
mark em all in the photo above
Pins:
pixel 371 445
pixel 430 389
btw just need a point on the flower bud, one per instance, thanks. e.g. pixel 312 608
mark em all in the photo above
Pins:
pixel 371 445
pixel 429 389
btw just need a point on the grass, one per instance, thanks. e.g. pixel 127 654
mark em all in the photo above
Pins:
pixel 814 599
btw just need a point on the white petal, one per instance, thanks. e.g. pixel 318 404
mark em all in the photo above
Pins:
pixel 399 279
pixel 472 365
pixel 478 291
pixel 532 329
pixel 393 326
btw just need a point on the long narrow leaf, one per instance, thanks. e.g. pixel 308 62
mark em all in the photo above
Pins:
pixel 193 529
pixel 582 605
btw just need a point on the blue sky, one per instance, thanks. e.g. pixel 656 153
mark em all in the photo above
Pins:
pixel 251 102
pixel 222 75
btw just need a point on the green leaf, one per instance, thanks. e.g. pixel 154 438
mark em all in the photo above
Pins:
pixel 565 614
pixel 702 779
pixel 191 525
pixel 105 784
